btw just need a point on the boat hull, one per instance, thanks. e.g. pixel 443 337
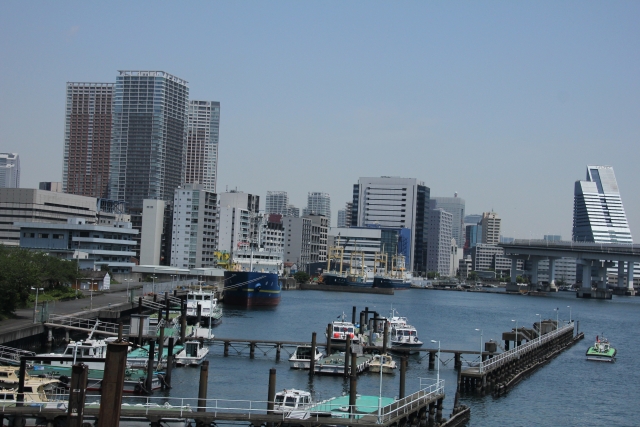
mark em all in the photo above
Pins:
pixel 597 356
pixel 251 289
pixel 338 280
pixel 389 282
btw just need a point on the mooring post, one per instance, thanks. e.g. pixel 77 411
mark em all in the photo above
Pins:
pixel 152 349
pixel 112 384
pixel 167 377
pixel 19 420
pixel 271 397
pixel 457 396
pixel 166 306
pixel 202 389
pixel 226 348
pixel 347 352
pixel 403 376
pixel 457 362
pixel 77 391
pixel 432 359
pixel 160 310
pixel 278 348
pixel 353 384
pixel 385 337
pixel 66 336
pixel 252 349
pixel 312 360
pixel 199 311
pixel 439 410
pixel 366 315
pixel 362 324
pixel 353 315
pixel 140 331
pixel 139 305
pixel 183 321
pixel 160 347
pixel 329 334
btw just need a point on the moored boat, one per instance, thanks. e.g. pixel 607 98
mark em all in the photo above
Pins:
pixel 210 311
pixel 301 357
pixel 403 335
pixel 387 364
pixel 292 400
pixel 601 351
pixel 396 277
pixel 342 329
pixel 251 289
pixel 192 354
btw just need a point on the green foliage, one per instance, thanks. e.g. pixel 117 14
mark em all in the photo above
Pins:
pixel 472 275
pixel 301 277
pixel 432 275
pixel 22 269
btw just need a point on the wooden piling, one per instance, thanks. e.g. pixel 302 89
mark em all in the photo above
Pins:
pixel 278 349
pixel 152 349
pixel 140 331
pixel 160 315
pixel 77 391
pixel 329 335
pixel 403 376
pixel 385 338
pixel 112 384
pixel 432 359
pixel 202 389
pixel 457 362
pixel 166 305
pixel 160 346
pixel 183 322
pixel 139 305
pixel 226 348
pixel 362 324
pixel 169 367
pixel 347 351
pixel 312 361
pixel 252 349
pixel 353 315
pixel 271 397
pixel 353 384
pixel 199 311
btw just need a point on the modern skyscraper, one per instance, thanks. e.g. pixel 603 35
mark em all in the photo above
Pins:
pixel 147 143
pixel 342 218
pixel 490 228
pixel 395 203
pixel 277 202
pixel 203 131
pixel 598 213
pixel 87 139
pixel 9 170
pixel 455 206
pixel 293 212
pixel 318 204
pixel 439 241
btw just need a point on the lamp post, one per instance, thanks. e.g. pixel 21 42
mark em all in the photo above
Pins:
pixel 480 330
pixel 91 293
pixel 438 370
pixel 569 307
pixel 35 307
pixel 379 395
pixel 153 283
pixel 540 328
pixel 128 281
pixel 515 344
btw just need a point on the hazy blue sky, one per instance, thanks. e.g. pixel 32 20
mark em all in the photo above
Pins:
pixel 504 102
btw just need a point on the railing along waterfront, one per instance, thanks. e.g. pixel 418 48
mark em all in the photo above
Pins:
pixel 514 353
pixel 246 409
pixel 86 324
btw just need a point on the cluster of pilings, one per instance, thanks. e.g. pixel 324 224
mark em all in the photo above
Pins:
pixel 497 375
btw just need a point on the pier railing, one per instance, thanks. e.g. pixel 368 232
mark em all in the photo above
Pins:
pixel 86 325
pixel 515 353
pixel 253 409
pixel 12 356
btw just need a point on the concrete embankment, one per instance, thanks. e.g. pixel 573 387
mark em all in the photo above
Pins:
pixel 352 289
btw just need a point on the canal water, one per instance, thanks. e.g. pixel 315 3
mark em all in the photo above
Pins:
pixel 569 391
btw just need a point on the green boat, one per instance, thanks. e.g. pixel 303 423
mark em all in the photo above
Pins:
pixel 601 351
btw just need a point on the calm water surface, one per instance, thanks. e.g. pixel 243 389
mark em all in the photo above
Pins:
pixel 569 391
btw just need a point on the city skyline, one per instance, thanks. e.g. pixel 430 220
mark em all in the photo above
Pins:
pixel 503 103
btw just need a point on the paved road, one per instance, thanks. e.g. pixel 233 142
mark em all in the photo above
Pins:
pixel 24 317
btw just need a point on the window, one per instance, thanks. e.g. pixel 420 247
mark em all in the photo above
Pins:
pixel 58 236
pixel 43 235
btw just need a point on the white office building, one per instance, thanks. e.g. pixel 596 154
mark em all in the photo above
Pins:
pixel 151 233
pixel 297 244
pixel 455 206
pixel 318 204
pixel 203 132
pixel 439 242
pixel 277 202
pixel 9 170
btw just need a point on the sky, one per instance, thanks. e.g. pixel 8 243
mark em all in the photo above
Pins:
pixel 503 102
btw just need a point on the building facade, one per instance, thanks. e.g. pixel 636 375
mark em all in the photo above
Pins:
pixel 9 170
pixel 297 242
pixel 598 213
pixel 203 134
pixel 50 186
pixel 277 202
pixel 455 206
pixel 393 202
pixel 318 245
pixel 318 204
pixel 195 227
pixel 439 237
pixel 151 234
pixel 87 139
pixel 148 134
pixel 490 228
pixel 342 218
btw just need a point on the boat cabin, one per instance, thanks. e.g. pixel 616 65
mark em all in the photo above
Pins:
pixel 291 400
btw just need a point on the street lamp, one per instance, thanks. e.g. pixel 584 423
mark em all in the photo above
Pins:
pixel 153 283
pixel 480 330
pixel 128 281
pixel 569 307
pixel 91 293
pixel 515 344
pixel 438 370
pixel 540 328
pixel 35 307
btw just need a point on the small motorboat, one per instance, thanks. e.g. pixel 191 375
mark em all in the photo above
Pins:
pixel 192 354
pixel 301 357
pixel 403 335
pixel 388 364
pixel 340 330
pixel 601 351
pixel 289 401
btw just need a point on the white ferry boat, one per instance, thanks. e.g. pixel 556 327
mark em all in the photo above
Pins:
pixel 403 335
pixel 289 401
pixel 340 330
pixel 301 357
pixel 210 311
pixel 192 354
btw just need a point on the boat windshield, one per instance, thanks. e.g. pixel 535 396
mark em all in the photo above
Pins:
pixel 279 399
pixel 291 401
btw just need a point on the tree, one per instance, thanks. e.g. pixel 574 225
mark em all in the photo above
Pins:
pixel 472 275
pixel 301 277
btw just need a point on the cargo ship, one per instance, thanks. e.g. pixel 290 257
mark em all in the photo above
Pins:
pixel 397 277
pixel 251 289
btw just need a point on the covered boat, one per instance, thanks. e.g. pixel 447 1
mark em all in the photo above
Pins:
pixel 292 400
pixel 251 288
pixel 192 354
pixel 601 351
pixel 382 360
pixel 301 357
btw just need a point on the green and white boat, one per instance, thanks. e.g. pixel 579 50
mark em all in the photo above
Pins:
pixel 601 351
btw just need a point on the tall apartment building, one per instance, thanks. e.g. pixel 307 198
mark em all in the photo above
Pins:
pixel 395 203
pixel 293 212
pixel 203 132
pixel 195 231
pixel 277 202
pixel 9 170
pixel 318 246
pixel 151 234
pixel 598 213
pixel 439 241
pixel 148 134
pixel 342 218
pixel 28 204
pixel 455 206
pixel 87 139
pixel 490 223
pixel 297 241
pixel 318 204
pixel 238 220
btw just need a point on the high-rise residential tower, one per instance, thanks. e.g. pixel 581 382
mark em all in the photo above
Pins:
pixel 87 139
pixel 395 203
pixel 9 170
pixel 277 203
pixel 203 130
pixel 490 223
pixel 147 142
pixel 598 213
pixel 439 241
pixel 318 204
pixel 455 206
